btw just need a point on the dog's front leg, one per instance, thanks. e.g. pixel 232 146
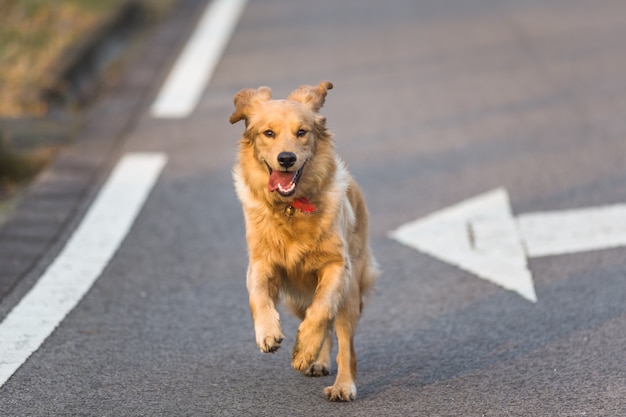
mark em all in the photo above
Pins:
pixel 263 289
pixel 319 316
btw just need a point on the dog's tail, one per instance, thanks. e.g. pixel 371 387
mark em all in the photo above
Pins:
pixel 371 272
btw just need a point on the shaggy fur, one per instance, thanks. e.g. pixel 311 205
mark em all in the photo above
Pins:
pixel 318 257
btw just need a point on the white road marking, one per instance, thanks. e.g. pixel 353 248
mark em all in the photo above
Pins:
pixel 570 231
pixel 460 235
pixel 81 261
pixel 195 65
pixel 481 236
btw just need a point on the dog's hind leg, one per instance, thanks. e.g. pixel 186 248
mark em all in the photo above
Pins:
pixel 344 389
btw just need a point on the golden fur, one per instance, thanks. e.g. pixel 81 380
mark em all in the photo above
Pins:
pixel 320 261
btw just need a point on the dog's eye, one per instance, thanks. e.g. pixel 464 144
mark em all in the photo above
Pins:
pixel 300 133
pixel 270 134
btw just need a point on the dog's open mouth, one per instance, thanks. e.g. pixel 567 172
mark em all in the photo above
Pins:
pixel 284 182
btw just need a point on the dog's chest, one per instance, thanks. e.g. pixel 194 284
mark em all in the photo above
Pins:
pixel 296 243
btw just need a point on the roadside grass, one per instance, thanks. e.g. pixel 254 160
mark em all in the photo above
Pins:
pixel 33 34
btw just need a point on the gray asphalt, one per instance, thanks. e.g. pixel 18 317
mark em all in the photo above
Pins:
pixel 434 102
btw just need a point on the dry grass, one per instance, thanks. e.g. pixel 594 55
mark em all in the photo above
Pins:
pixel 33 34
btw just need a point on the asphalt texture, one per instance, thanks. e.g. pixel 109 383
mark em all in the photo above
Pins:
pixel 434 102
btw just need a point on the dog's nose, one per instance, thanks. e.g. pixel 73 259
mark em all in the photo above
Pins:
pixel 287 159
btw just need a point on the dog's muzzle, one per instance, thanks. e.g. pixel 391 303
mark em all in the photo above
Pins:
pixel 284 182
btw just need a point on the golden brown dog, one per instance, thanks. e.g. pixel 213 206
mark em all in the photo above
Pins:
pixel 306 228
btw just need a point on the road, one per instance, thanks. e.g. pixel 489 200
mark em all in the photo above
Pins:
pixel 434 103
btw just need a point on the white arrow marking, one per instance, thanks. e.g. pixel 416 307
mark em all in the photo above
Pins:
pixel 571 231
pixel 481 236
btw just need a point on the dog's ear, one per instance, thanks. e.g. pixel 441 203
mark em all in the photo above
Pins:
pixel 245 99
pixel 311 96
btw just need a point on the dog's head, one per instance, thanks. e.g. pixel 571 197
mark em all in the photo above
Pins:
pixel 282 133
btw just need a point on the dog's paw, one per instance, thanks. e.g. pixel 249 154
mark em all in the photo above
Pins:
pixel 307 347
pixel 304 355
pixel 317 369
pixel 302 360
pixel 270 343
pixel 340 392
pixel 268 333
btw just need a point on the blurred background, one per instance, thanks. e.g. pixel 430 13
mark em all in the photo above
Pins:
pixel 56 56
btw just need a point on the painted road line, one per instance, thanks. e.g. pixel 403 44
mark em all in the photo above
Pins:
pixel 194 68
pixel 478 235
pixel 80 262
pixel 570 231
pixel 481 236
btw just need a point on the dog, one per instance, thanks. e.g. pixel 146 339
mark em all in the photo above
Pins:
pixel 306 231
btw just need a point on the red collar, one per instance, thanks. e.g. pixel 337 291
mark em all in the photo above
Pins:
pixel 304 205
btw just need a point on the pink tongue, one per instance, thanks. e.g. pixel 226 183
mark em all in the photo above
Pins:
pixel 280 177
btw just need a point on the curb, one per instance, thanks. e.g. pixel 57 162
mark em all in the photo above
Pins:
pixel 75 77
pixel 56 200
pixel 72 82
